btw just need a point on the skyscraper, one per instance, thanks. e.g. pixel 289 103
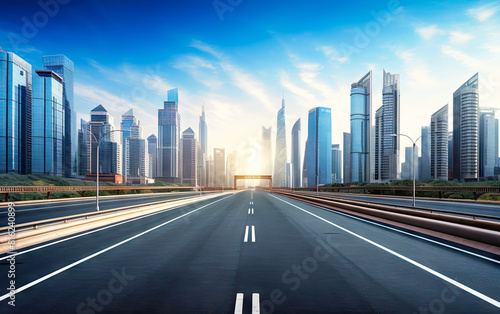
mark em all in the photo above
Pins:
pixel 377 176
pixel 203 130
pixel 202 153
pixel 128 119
pixel 110 152
pixel 152 149
pixel 424 165
pixel 439 144
pixel 137 156
pixel 84 141
pixel 280 159
pixel 319 146
pixel 219 167
pixel 488 142
pixel 15 114
pixel 336 164
pixel 407 166
pixel 304 166
pixel 266 160
pixel 465 130
pixel 47 124
pixel 361 106
pixel 296 165
pixel 65 68
pixel 169 122
pixel 189 158
pixel 388 122
pixel 347 157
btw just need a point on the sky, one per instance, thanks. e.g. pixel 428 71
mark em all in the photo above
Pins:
pixel 240 57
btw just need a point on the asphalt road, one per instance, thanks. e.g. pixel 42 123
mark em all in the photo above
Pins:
pixel 213 256
pixel 66 207
pixel 464 207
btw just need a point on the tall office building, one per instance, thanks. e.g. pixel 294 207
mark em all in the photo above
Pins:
pixel 450 155
pixel 152 150
pixel 65 68
pixel 128 119
pixel 15 114
pixel 189 158
pixel 336 164
pixel 424 166
pixel 169 123
pixel 266 159
pixel 280 159
pixel 407 166
pixel 304 167
pixel 347 157
pixel 202 153
pixel 361 107
pixel 296 165
pixel 47 124
pixel 84 141
pixel 201 164
pixel 210 171
pixel 386 124
pixel 137 156
pixel 319 147
pixel 219 167
pixel 439 144
pixel 488 142
pixel 110 152
pixel 203 130
pixel 465 130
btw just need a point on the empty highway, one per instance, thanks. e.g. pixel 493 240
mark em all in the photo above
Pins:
pixel 251 252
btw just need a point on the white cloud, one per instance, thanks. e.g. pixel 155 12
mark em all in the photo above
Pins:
pixel 465 59
pixel 405 55
pixel 483 13
pixel 428 32
pixel 332 54
pixel 459 37
pixel 309 66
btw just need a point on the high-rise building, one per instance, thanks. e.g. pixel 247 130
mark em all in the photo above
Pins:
pixel 189 158
pixel 266 159
pixel 203 130
pixel 304 166
pixel 439 144
pixel 407 166
pixel 47 124
pixel 173 95
pixel 424 166
pixel 347 157
pixel 387 119
pixel 137 156
pixel 377 152
pixel 450 155
pixel 280 158
pixel 319 147
pixel 210 171
pixel 488 142
pixel 296 165
pixel 152 149
pixel 361 107
pixel 219 167
pixel 336 164
pixel 169 122
pixel 15 114
pixel 128 119
pixel 84 140
pixel 465 130
pixel 65 68
pixel 110 152
pixel 203 151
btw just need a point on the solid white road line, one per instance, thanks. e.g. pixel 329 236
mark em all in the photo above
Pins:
pixel 255 303
pixel 245 239
pixel 409 260
pixel 238 307
pixel 249 211
pixel 252 211
pixel 253 233
pixel 52 274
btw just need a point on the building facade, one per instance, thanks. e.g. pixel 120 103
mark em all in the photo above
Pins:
pixel 169 122
pixel 47 124
pixel 219 167
pixel 424 166
pixel 465 130
pixel 296 165
pixel 347 157
pixel 488 142
pixel 319 146
pixel 65 68
pixel 152 150
pixel 280 158
pixel 360 162
pixel 189 158
pixel 439 144
pixel 336 164
pixel 110 152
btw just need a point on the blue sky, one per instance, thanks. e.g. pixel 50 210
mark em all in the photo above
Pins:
pixel 240 56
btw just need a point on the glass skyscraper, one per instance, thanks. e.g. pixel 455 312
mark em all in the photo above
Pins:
pixel 439 144
pixel 84 141
pixel 110 152
pixel 65 68
pixel 488 142
pixel 296 165
pixel 319 146
pixel 169 122
pixel 347 157
pixel 189 158
pixel 15 112
pixel 203 130
pixel 336 164
pixel 280 158
pixel 152 145
pixel 47 124
pixel 360 129
pixel 424 165
pixel 128 120
pixel 465 130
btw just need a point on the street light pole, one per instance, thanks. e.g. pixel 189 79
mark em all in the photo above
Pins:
pixel 413 160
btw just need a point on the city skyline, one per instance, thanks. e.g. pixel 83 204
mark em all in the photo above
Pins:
pixel 241 84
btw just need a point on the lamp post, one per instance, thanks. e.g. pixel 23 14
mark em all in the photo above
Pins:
pixel 413 159
pixel 98 141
